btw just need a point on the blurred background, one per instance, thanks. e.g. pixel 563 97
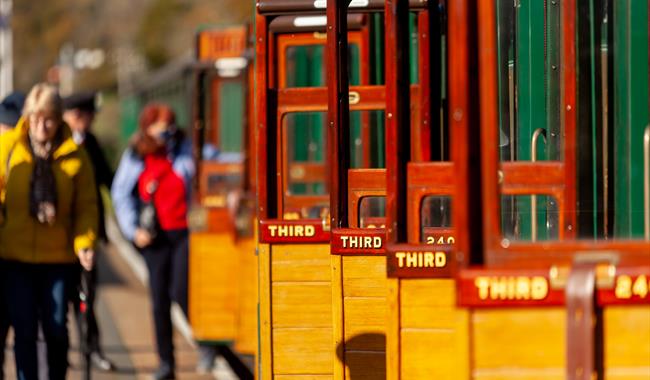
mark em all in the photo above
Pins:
pixel 104 45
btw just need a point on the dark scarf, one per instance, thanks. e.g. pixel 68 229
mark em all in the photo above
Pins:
pixel 42 185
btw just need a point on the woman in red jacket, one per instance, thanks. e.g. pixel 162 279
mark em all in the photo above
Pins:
pixel 150 195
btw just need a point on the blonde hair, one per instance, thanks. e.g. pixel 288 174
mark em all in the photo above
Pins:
pixel 43 97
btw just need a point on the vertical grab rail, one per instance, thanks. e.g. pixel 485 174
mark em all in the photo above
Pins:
pixel 646 184
pixel 533 199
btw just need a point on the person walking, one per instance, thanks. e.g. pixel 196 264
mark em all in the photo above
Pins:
pixel 79 114
pixel 10 110
pixel 50 214
pixel 150 196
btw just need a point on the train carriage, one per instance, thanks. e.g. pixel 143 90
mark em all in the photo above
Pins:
pixel 526 260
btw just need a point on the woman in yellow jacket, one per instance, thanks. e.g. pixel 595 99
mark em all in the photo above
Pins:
pixel 49 214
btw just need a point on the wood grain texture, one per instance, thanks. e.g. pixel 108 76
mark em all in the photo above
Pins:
pixel 306 262
pixel 364 276
pixel 301 310
pixel 302 351
pixel 433 333
pixel 627 342
pixel 246 341
pixel 213 290
pixel 532 338
pixel 365 365
pixel 266 344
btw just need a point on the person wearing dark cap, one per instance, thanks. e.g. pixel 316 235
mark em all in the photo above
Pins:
pixel 79 114
pixel 11 109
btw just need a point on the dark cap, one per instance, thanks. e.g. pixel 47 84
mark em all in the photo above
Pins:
pixel 11 108
pixel 83 101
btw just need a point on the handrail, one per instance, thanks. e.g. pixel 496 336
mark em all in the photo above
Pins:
pixel 533 199
pixel 646 185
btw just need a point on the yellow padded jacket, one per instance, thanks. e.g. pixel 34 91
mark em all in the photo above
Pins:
pixel 22 237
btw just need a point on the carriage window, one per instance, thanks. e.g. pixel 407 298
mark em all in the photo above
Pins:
pixel 304 188
pixel 305 65
pixel 435 220
pixel 530 217
pixel 217 187
pixel 590 153
pixel 372 212
pixel 366 138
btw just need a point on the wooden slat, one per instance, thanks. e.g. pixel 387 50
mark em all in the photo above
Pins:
pixel 266 358
pixel 527 338
pixel 393 341
pixel 429 304
pixel 301 304
pixel 302 351
pixel 338 337
pixel 213 298
pixel 365 365
pixel 434 354
pixel 246 342
pixel 364 276
pixel 304 377
pixel 365 324
pixel 305 262
pixel 627 341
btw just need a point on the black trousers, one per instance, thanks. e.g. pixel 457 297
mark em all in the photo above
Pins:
pixel 167 261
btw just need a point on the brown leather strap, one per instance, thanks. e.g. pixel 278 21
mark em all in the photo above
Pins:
pixel 584 325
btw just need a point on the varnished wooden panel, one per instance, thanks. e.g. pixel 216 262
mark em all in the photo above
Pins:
pixel 302 351
pixel 427 303
pixel 303 377
pixel 213 290
pixel 525 339
pixel 365 365
pixel 627 342
pixel 434 354
pixel 365 324
pixel 305 262
pixel 364 276
pixel 306 304
pixel 246 342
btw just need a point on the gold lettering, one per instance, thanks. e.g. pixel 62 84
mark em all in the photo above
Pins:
pixel 429 260
pixel 640 287
pixel 344 240
pixel 273 230
pixel 299 231
pixel 623 287
pixel 441 259
pixel 367 242
pixel 411 259
pixel 498 288
pixel 283 231
pixel 310 231
pixel 430 240
pixel 400 259
pixel 451 240
pixel 511 288
pixel 483 286
pixel 538 288
pixel 377 243
pixel 523 288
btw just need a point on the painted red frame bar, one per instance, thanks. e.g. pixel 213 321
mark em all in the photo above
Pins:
pixel 494 288
pixel 306 231
pixel 358 242
pixel 420 261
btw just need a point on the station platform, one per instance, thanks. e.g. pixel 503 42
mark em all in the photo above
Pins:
pixel 126 325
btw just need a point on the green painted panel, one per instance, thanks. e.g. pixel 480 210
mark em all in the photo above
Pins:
pixel 231 116
pixel 630 114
